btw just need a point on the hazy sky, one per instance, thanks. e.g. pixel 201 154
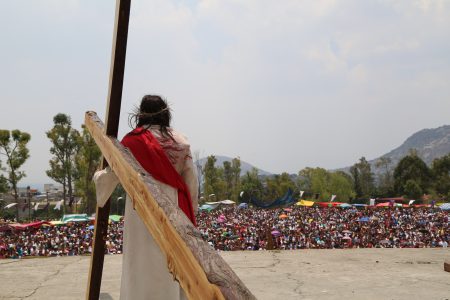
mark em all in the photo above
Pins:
pixel 282 84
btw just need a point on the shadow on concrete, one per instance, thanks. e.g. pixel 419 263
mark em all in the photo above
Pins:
pixel 105 296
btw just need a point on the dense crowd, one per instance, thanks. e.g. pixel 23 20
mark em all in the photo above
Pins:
pixel 66 240
pixel 229 229
pixel 324 228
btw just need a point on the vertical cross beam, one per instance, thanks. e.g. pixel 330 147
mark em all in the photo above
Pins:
pixel 119 48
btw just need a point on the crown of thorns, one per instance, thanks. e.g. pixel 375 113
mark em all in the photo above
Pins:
pixel 145 114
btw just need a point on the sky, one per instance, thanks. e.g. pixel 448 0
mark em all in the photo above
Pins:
pixel 284 85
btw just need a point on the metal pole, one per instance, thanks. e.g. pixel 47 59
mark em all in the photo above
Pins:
pixel 112 126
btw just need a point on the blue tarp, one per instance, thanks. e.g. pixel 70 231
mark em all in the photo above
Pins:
pixel 287 199
pixel 243 205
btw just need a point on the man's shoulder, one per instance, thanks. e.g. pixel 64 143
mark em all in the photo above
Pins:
pixel 179 137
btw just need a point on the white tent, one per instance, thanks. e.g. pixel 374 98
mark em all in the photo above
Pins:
pixel 10 205
pixel 227 202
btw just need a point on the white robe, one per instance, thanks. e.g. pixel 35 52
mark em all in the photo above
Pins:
pixel 144 268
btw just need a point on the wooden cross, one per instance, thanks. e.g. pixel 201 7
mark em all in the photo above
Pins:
pixel 201 272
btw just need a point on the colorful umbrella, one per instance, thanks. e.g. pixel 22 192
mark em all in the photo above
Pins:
pixel 275 232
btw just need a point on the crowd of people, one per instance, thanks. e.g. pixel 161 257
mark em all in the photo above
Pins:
pixel 229 229
pixel 63 240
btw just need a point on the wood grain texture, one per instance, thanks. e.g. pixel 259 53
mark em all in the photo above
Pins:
pixel 201 272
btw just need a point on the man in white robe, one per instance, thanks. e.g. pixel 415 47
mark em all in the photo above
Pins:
pixel 144 268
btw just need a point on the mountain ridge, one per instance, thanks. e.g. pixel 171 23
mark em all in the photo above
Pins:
pixel 429 143
pixel 245 166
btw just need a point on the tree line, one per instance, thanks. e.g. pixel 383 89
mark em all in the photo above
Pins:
pixel 410 178
pixel 75 158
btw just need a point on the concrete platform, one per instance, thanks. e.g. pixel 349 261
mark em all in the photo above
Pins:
pixel 304 274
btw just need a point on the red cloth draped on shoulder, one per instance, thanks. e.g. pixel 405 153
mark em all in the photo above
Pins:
pixel 149 153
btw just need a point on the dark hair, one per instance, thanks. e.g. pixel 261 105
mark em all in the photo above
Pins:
pixel 153 110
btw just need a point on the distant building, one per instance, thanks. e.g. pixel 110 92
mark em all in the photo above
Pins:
pixel 52 188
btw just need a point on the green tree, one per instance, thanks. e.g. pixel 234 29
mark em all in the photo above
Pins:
pixel 325 183
pixel 251 185
pixel 304 179
pixel 3 181
pixel 13 145
pixel 341 185
pixel 3 184
pixel 412 189
pixel 87 161
pixel 229 182
pixel 411 167
pixel 65 145
pixel 386 177
pixel 319 183
pixel 213 179
pixel 278 185
pixel 198 165
pixel 441 173
pixel 362 178
pixel 228 178
pixel 236 178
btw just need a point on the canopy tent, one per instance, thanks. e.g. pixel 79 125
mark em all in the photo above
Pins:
pixel 25 226
pixel 393 199
pixel 75 218
pixel 445 206
pixel 359 205
pixel 227 202
pixel 305 203
pixel 345 205
pixel 390 204
pixel 56 222
pixel 10 205
pixel 329 204
pixel 115 218
pixel 209 207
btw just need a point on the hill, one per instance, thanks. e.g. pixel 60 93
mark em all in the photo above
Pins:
pixel 429 144
pixel 245 166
